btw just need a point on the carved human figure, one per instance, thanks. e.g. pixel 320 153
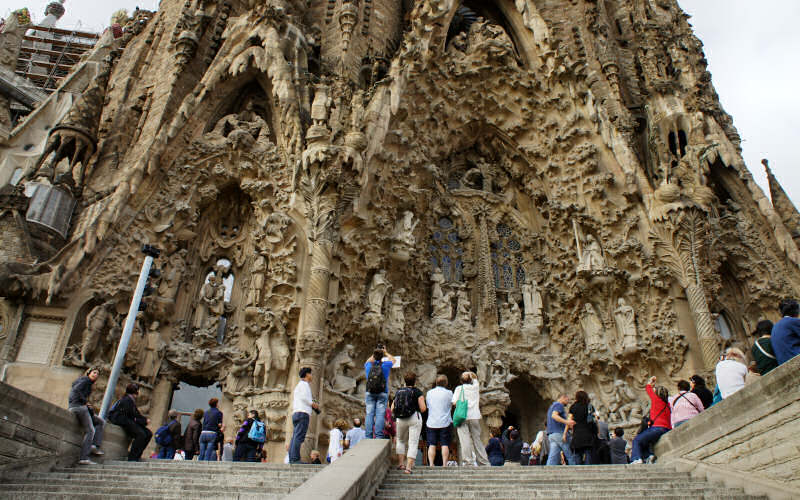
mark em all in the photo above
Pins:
pixel 275 225
pixel 256 281
pixel 592 328
pixel 238 373
pixel 136 344
pixel 510 319
pixel 623 402
pixel 592 256
pixel 279 345
pixel 463 310
pixel 216 300
pixel 532 302
pixel 96 321
pixel 336 371
pixel 625 318
pixel 263 360
pixel 499 376
pixel 153 348
pixel 441 302
pixel 207 293
pixel 377 291
pixel 176 266
pixel 404 230
pixel 397 317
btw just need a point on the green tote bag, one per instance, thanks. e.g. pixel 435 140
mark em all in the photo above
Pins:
pixel 461 410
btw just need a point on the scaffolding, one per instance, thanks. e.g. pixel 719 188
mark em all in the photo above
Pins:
pixel 48 55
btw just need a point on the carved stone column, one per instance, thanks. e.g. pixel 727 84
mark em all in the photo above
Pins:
pixel 680 242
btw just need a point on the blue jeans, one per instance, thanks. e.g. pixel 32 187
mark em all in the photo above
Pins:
pixel 558 445
pixel 300 422
pixel 208 446
pixel 644 441
pixel 166 452
pixel 376 414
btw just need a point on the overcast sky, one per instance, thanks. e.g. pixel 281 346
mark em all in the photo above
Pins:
pixel 753 49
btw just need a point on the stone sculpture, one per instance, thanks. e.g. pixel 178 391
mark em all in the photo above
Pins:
pixel 97 321
pixel 593 330
pixel 377 291
pixel 403 241
pixel 625 319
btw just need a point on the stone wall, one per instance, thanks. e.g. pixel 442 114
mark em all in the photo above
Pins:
pixel 38 436
pixel 748 440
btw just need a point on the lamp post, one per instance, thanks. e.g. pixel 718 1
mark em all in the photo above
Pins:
pixel 150 254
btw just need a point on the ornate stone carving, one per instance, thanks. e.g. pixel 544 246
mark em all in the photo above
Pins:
pixel 403 240
pixel 625 319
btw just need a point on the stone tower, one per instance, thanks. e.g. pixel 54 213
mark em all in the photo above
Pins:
pixel 546 192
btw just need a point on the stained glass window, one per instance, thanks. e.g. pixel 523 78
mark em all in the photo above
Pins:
pixel 507 267
pixel 446 251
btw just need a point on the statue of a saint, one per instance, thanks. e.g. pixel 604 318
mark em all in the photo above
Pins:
pixel 153 352
pixel 463 313
pixel 96 322
pixel 397 317
pixel 256 281
pixel 441 302
pixel 532 302
pixel 625 317
pixel 336 371
pixel 592 256
pixel 377 291
pixel 176 266
pixel 592 328
pixel 404 230
pixel 263 360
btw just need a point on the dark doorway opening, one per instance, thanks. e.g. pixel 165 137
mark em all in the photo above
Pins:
pixel 527 410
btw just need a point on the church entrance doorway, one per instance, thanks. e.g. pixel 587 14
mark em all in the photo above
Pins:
pixel 527 410
pixel 187 397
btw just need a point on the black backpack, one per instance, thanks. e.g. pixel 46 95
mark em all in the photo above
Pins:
pixel 376 383
pixel 404 403
pixel 113 414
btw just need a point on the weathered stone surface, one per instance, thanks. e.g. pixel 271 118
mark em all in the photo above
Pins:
pixel 545 192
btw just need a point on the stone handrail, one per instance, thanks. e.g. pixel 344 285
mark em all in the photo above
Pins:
pixel 354 476
pixel 38 436
pixel 749 440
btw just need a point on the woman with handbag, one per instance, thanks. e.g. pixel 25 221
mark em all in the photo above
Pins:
pixel 660 423
pixel 467 419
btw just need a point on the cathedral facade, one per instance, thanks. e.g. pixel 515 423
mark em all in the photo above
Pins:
pixel 546 192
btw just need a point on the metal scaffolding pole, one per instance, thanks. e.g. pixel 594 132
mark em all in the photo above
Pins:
pixel 150 254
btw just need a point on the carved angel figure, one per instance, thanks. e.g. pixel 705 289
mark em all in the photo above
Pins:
pixel 592 328
pixel 441 302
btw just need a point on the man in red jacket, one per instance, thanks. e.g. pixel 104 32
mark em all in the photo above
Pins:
pixel 660 419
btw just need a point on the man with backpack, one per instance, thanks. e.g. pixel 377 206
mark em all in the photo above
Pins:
pixel 168 436
pixel 125 414
pixel 377 369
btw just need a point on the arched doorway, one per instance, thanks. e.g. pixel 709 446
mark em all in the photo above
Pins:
pixel 527 411
pixel 187 397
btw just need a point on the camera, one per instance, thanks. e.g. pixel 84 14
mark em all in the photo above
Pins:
pixel 381 347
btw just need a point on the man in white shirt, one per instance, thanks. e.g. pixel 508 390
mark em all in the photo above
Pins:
pixel 302 404
pixel 354 435
pixel 439 400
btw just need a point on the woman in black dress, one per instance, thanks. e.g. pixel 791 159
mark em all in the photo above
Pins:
pixel 585 429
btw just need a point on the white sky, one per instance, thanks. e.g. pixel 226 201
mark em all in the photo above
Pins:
pixel 752 49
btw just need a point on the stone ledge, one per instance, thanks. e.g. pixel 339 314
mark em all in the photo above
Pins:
pixel 355 476
pixel 38 436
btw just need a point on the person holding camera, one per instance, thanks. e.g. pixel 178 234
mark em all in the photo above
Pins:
pixel 378 367
pixel 303 403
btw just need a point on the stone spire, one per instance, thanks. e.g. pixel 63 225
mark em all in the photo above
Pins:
pixel 783 205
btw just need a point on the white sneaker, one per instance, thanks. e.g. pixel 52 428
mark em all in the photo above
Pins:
pixel 97 451
pixel 638 461
pixel 651 459
pixel 86 462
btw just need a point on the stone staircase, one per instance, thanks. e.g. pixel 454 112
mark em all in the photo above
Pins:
pixel 648 482
pixel 159 479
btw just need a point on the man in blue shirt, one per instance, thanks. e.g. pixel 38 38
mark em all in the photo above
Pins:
pixel 355 434
pixel 556 424
pixel 377 397
pixel 786 332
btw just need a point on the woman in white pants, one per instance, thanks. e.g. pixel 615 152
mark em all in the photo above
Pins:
pixel 469 432
pixel 407 406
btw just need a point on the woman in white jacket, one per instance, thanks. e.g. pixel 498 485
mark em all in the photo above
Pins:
pixel 469 432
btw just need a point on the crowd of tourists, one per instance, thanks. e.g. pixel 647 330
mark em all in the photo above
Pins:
pixel 421 424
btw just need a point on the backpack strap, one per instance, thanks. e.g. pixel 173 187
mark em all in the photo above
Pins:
pixel 683 395
pixel 765 353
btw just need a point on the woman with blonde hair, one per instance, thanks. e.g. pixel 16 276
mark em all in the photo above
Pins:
pixel 731 372
pixel 336 445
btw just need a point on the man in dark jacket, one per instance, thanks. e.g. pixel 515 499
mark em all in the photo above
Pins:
pixel 617 447
pixel 91 423
pixel 125 414
pixel 174 430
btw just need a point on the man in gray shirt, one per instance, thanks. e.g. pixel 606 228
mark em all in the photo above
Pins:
pixel 354 435
pixel 617 447
pixel 439 401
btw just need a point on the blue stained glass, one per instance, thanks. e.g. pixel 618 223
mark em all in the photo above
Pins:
pixel 503 230
pixel 459 250
pixel 514 245
pixel 496 275
pixel 520 275
pixel 459 270
pixel 437 236
pixel 445 248
pixel 433 264
pixel 446 267
pixel 508 276
pixel 452 237
pixel 506 255
pixel 495 244
pixel 445 223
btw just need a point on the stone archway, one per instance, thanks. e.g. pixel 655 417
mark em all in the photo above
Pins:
pixel 528 409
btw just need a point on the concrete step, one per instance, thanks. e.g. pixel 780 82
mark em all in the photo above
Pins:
pixel 166 483
pixel 222 488
pixel 494 483
pixel 200 473
pixel 532 493
pixel 59 493
pixel 606 489
pixel 249 479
